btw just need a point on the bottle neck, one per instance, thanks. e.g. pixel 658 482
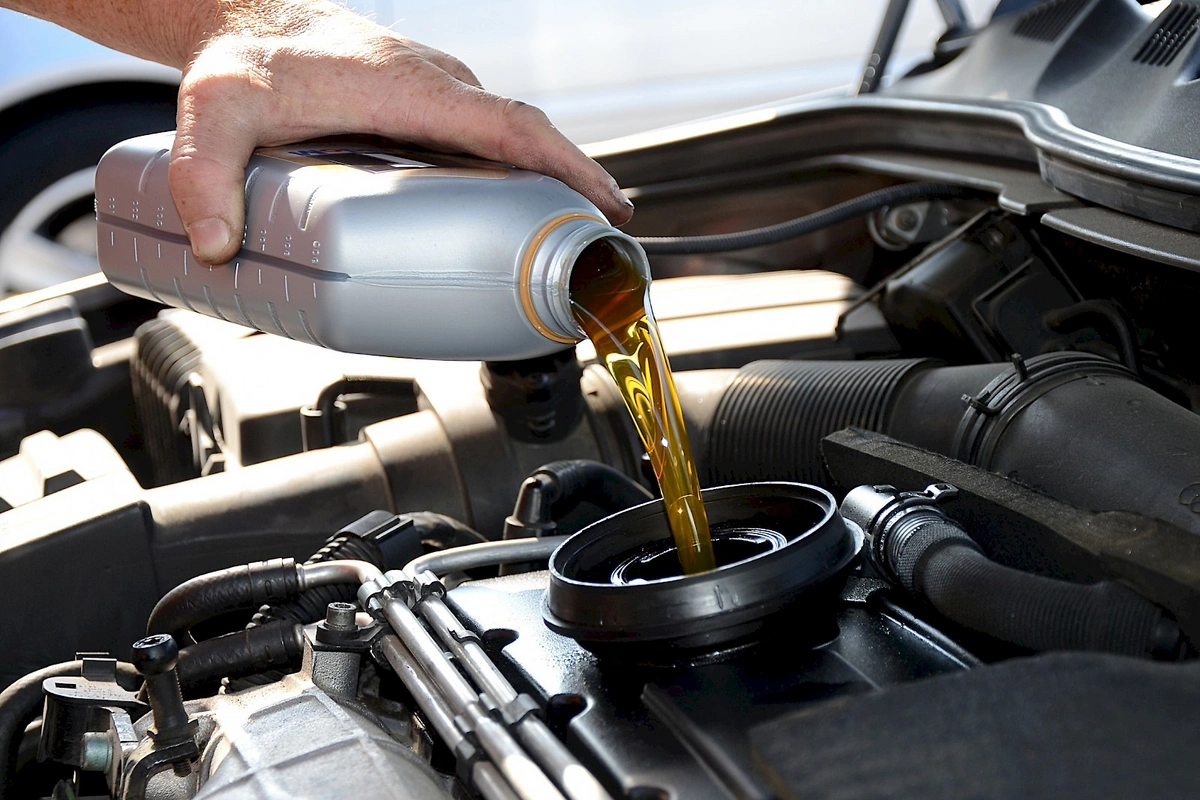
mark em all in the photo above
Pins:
pixel 545 285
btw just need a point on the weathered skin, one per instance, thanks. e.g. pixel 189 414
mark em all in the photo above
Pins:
pixel 268 72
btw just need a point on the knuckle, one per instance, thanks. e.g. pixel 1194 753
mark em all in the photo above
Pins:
pixel 522 116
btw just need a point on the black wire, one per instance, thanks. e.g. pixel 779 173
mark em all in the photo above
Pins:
pixel 757 237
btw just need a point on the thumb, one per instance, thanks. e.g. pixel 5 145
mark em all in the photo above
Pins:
pixel 207 175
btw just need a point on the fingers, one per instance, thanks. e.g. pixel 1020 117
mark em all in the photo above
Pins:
pixel 214 139
pixel 510 131
pixel 241 92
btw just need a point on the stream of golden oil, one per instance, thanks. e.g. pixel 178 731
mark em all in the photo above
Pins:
pixel 611 302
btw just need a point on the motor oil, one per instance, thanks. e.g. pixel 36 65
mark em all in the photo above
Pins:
pixel 611 300
pixel 380 251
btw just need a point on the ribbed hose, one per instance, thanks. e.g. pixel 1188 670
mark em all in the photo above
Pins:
pixel 938 561
pixel 826 217
pixel 770 421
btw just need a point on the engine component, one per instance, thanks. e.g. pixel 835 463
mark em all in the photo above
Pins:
pixel 418 658
pixel 1027 530
pixel 323 424
pixel 315 268
pixel 914 543
pixel 1032 421
pixel 539 399
pixel 380 538
pixel 277 644
pixel 301 736
pixel 681 732
pixel 156 657
pixel 54 379
pixel 615 586
pixel 319 746
pixel 984 293
pixel 67 710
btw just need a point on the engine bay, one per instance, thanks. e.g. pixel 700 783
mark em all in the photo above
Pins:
pixel 954 444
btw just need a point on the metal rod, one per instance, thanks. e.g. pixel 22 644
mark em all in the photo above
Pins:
pixel 491 783
pixel 526 778
pixel 417 682
pixel 576 780
pixel 467 649
pixel 488 780
pixel 329 572
pixel 570 775
pixel 429 656
pixel 486 554
pixel 885 42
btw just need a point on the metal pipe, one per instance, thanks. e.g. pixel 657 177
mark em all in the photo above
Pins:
pixel 526 778
pixel 570 775
pixel 417 682
pixel 488 554
pixel 327 572
pixel 429 655
pixel 491 783
pixel 488 780
pixel 885 43
pixel 467 649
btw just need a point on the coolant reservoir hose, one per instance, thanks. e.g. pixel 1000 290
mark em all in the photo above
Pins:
pixel 916 545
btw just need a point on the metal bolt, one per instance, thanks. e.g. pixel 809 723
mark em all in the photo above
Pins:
pixel 96 752
pixel 906 220
pixel 155 657
pixel 993 239
pixel 340 617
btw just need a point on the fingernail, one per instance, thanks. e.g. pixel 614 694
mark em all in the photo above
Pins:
pixel 210 238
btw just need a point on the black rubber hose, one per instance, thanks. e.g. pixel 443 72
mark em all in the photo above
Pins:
pixel 439 531
pixel 22 701
pixel 266 646
pixel 310 606
pixel 818 220
pixel 571 482
pixel 935 559
pixel 354 384
pixel 206 596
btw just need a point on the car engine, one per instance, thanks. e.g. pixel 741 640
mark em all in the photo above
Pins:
pixel 952 436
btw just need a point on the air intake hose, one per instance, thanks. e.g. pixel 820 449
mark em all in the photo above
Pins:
pixel 1076 426
pixel 914 543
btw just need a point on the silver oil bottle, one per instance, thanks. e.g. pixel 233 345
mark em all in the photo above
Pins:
pixel 364 250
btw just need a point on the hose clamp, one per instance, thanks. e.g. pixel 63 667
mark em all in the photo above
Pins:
pixel 877 510
pixel 372 593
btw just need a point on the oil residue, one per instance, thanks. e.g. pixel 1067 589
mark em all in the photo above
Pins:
pixel 611 302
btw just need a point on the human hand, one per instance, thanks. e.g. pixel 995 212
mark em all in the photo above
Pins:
pixel 279 72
